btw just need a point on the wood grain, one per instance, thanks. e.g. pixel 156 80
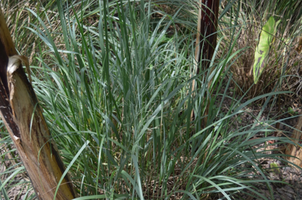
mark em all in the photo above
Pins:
pixel 23 118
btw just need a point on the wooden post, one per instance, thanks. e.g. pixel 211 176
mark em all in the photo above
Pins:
pixel 26 125
pixel 296 150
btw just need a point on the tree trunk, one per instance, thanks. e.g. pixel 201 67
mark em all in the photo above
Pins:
pixel 26 125
pixel 206 39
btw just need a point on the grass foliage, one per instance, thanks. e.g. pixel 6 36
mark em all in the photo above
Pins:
pixel 114 79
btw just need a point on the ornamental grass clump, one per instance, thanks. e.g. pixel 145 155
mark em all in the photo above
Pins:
pixel 114 86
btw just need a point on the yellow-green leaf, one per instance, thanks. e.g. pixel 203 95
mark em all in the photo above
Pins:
pixel 262 50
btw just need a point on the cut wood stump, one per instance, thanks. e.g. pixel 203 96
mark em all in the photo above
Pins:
pixel 23 118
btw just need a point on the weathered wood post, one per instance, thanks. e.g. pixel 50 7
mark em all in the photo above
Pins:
pixel 26 125
pixel 295 150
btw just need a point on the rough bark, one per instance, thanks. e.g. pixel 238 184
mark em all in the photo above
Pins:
pixel 26 125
